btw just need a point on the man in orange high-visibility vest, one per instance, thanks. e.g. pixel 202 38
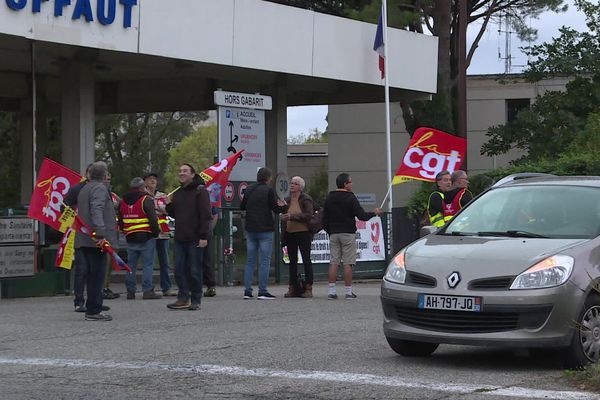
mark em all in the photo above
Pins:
pixel 138 221
pixel 162 241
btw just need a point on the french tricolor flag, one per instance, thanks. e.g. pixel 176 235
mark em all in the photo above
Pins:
pixel 378 45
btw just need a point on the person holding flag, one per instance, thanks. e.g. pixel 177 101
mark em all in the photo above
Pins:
pixel 215 179
pixel 95 209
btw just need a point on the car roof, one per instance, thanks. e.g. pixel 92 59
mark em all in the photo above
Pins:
pixel 591 181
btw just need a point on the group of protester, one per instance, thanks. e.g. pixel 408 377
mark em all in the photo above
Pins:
pixel 141 215
pixel 450 196
pixel 338 218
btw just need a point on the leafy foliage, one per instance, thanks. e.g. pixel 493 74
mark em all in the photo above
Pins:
pixel 317 188
pixel 314 136
pixel 577 161
pixel 198 149
pixel 334 7
pixel 133 144
pixel 557 120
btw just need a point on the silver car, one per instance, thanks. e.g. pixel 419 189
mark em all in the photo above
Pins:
pixel 518 267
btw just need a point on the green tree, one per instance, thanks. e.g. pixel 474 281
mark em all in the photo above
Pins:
pixel 334 7
pixel 314 136
pixel 198 149
pixel 319 182
pixel 556 120
pixel 133 144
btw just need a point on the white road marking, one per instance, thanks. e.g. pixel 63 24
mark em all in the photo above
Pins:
pixel 362 379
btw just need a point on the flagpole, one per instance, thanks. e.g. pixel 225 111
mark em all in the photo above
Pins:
pixel 388 139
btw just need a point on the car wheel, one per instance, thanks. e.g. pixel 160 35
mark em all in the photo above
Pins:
pixel 585 346
pixel 410 348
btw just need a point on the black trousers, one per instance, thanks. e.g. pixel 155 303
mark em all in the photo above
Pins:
pixel 302 241
pixel 208 269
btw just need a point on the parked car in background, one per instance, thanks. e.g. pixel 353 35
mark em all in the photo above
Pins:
pixel 517 267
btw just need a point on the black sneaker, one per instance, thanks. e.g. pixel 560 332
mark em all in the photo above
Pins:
pixel 210 292
pixel 80 309
pixel 98 317
pixel 248 295
pixel 266 296
pixel 108 294
pixel 332 297
pixel 194 307
pixel 350 296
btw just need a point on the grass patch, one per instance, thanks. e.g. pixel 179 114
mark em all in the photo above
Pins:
pixel 587 378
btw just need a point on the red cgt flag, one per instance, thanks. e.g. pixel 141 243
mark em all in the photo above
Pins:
pixel 430 152
pixel 217 176
pixel 53 183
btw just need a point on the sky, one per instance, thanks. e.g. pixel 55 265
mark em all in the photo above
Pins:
pixel 485 61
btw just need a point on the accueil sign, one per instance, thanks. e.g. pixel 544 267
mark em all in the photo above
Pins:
pixel 105 11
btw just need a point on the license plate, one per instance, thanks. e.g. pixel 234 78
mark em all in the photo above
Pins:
pixel 454 303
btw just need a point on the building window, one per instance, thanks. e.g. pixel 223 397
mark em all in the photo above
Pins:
pixel 513 106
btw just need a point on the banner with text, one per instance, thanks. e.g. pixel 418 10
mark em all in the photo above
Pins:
pixel 430 151
pixel 370 245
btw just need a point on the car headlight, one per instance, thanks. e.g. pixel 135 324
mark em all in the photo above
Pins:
pixel 396 271
pixel 552 271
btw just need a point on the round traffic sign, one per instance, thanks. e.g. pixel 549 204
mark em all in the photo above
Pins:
pixel 282 185
pixel 229 192
pixel 242 189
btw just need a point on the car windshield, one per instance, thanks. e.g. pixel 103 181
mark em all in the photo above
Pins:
pixel 539 211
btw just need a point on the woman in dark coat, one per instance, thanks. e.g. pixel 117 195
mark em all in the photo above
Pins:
pixel 296 235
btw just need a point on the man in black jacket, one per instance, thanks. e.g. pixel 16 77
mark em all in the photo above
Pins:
pixel 260 203
pixel 341 206
pixel 138 220
pixel 190 207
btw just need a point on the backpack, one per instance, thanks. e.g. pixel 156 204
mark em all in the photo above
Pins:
pixel 316 221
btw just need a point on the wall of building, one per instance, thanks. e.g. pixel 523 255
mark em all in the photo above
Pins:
pixel 357 133
pixel 251 34
pixel 307 159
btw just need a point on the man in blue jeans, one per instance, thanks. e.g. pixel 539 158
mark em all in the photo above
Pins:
pixel 162 241
pixel 190 206
pixel 138 221
pixel 96 210
pixel 260 203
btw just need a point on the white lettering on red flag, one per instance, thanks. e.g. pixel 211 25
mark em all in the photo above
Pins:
pixel 430 151
pixel 53 183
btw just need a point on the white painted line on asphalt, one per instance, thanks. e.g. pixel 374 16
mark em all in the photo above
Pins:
pixel 330 376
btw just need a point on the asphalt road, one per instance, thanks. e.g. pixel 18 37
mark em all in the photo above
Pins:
pixel 247 349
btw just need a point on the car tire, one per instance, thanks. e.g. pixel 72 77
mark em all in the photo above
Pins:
pixel 585 345
pixel 411 349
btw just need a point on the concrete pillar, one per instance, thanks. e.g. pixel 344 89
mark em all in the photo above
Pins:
pixel 26 151
pixel 276 131
pixel 77 114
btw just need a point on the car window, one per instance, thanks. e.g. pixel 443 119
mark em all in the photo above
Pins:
pixel 552 211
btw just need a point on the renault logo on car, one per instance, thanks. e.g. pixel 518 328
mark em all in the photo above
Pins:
pixel 453 279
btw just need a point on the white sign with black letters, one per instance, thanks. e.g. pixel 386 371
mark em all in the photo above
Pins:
pixel 17 261
pixel 242 128
pixel 16 230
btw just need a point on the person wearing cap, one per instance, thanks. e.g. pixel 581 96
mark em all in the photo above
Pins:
pixel 138 221
pixel 162 241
